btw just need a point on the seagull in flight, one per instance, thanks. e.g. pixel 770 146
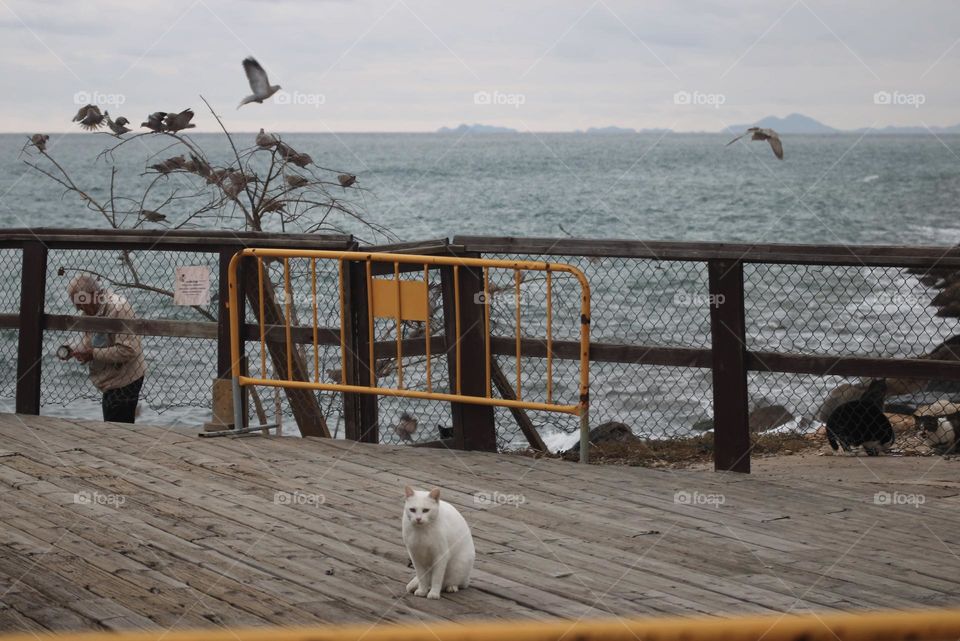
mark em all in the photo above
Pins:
pixel 763 134
pixel 259 84
pixel 176 122
pixel 89 117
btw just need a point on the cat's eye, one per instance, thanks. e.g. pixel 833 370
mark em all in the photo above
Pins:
pixel 413 509
pixel 425 510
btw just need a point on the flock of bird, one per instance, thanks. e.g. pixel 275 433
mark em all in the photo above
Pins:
pixel 90 118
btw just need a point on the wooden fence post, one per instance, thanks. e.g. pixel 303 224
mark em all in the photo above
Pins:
pixel 360 411
pixel 473 425
pixel 33 286
pixel 731 431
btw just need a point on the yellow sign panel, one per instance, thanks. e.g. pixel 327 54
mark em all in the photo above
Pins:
pixel 412 299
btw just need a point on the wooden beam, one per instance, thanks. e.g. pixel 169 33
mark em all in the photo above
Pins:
pixel 519 415
pixel 30 340
pixel 172 240
pixel 139 326
pixel 731 432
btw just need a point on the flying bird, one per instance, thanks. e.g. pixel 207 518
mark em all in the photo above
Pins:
pixel 155 121
pixel 763 134
pixel 89 117
pixel 346 180
pixel 406 427
pixel 259 83
pixel 265 140
pixel 177 122
pixel 118 126
pixel 40 142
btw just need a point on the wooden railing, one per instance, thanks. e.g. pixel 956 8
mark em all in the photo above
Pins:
pixel 727 356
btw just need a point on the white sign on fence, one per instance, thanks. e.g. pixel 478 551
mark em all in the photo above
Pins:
pixel 192 286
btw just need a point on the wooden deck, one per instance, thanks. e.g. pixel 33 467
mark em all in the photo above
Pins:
pixel 111 526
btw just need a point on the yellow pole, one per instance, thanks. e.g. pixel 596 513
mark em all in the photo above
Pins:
pixel 316 323
pixel 343 337
pixel 396 278
pixel 456 305
pixel 516 300
pixel 486 326
pixel 426 280
pixel 549 336
pixel 287 295
pixel 373 365
pixel 263 322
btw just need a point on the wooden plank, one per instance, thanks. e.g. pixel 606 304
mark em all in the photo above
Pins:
pixel 9 321
pixel 731 450
pixel 473 425
pixel 361 411
pixel 169 240
pixel 30 337
pixel 795 254
pixel 139 326
pixel 606 352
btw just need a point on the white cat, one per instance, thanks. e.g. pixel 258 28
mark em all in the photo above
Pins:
pixel 439 543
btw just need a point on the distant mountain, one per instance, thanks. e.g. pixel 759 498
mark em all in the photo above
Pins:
pixel 602 131
pixel 792 124
pixel 476 129
pixel 912 130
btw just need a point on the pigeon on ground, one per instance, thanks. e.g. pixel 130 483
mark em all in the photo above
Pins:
pixel 118 126
pixel 346 180
pixel 259 83
pixel 265 140
pixel 155 121
pixel 295 180
pixel 89 117
pixel 763 134
pixel 177 122
pixel 406 427
pixel 40 142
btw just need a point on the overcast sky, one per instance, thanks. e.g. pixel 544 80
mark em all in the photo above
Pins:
pixel 541 65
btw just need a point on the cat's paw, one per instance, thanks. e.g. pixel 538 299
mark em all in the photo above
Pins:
pixel 433 594
pixel 414 582
pixel 420 592
pixel 451 588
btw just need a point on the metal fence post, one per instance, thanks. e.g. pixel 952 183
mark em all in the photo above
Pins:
pixel 30 340
pixel 731 431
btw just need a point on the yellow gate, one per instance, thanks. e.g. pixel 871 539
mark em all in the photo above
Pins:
pixel 408 300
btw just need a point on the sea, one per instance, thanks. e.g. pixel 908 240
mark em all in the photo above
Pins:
pixel 830 189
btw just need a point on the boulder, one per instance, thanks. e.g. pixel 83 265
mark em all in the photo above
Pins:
pixel 768 417
pixel 612 432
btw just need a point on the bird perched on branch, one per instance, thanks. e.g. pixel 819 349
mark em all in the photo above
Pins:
pixel 118 126
pixel 346 180
pixel 155 121
pixel 291 155
pixel 295 180
pixel 40 141
pixel 406 427
pixel 259 83
pixel 89 117
pixel 178 122
pixel 170 164
pixel 152 216
pixel 763 134
pixel 265 140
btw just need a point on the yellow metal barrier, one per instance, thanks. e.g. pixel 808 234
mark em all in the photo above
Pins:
pixel 408 300
pixel 922 625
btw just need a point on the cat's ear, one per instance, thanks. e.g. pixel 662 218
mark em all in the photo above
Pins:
pixel 408 491
pixel 435 494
